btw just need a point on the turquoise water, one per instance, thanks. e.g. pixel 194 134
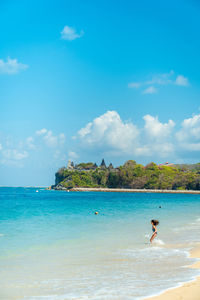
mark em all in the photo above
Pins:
pixel 53 246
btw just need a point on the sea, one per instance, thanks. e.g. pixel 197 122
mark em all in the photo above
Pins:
pixel 53 246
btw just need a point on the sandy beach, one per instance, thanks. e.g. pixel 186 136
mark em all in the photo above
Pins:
pixel 189 291
pixel 82 189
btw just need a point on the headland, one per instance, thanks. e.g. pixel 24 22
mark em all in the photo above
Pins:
pixel 129 177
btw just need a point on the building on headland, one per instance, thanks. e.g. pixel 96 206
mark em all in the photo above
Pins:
pixel 167 164
pixel 87 166
pixel 93 166
pixel 70 165
pixel 103 164
pixel 110 167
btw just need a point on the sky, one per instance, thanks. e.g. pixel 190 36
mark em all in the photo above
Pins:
pixel 86 80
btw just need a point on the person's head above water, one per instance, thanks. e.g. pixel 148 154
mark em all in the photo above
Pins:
pixel 154 222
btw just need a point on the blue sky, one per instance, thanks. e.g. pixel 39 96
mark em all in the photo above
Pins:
pixel 84 80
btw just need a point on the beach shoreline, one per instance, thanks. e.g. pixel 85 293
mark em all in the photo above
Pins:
pixel 187 291
pixel 118 190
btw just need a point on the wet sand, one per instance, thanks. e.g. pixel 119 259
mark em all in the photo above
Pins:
pixel 189 291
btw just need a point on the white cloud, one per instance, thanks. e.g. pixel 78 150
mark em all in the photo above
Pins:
pixel 191 146
pixel 85 130
pixel 109 132
pixel 14 154
pixel 30 143
pixel 62 138
pixel 13 157
pixel 50 139
pixel 189 134
pixel 44 146
pixel 192 122
pixel 41 131
pixel 134 85
pixel 160 80
pixel 72 155
pixel 190 129
pixel 69 33
pixel 181 80
pixel 11 66
pixel 156 138
pixel 155 129
pixel 155 150
pixel 150 90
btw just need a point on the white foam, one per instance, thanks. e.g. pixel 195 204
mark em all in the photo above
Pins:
pixel 158 242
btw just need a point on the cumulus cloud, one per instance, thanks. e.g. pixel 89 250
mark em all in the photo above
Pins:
pixel 112 135
pixel 189 134
pixel 70 34
pixel 108 135
pixel 181 80
pixel 11 66
pixel 155 129
pixel 109 132
pixel 159 80
pixel 157 137
pixel 41 131
pixel 150 90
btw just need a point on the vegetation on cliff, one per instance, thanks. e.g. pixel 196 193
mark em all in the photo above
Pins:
pixel 130 175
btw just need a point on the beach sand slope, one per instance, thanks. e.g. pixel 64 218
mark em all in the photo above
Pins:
pixel 189 291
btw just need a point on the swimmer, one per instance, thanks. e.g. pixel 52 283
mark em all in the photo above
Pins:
pixel 154 223
pixel 96 213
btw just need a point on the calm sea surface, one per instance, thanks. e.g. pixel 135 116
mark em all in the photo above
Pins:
pixel 53 246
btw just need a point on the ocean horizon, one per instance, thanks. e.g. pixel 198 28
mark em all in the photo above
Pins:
pixel 53 246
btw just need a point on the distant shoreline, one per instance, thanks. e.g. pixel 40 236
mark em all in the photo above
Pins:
pixel 79 189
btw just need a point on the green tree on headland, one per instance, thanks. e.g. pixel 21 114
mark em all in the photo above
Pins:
pixel 130 175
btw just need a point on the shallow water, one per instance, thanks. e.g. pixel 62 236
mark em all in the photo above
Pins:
pixel 53 246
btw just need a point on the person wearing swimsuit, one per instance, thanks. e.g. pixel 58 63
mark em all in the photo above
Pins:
pixel 154 223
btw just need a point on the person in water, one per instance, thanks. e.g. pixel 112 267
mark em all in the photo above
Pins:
pixel 154 223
